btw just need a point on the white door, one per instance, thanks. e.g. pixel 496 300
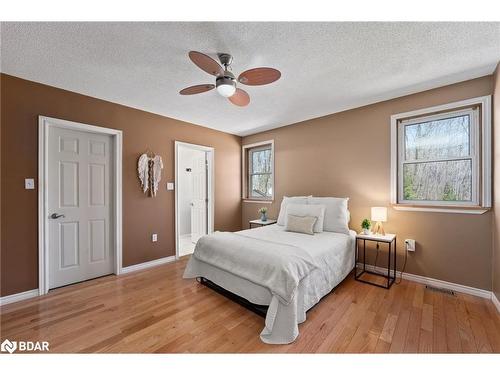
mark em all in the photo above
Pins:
pixel 80 197
pixel 199 203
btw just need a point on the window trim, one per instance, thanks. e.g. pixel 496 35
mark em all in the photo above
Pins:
pixel 245 167
pixel 482 201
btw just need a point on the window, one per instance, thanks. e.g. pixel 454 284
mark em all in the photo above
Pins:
pixel 258 162
pixel 443 156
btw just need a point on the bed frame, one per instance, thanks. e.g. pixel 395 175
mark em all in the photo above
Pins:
pixel 260 310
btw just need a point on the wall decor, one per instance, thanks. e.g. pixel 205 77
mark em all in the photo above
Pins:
pixel 149 169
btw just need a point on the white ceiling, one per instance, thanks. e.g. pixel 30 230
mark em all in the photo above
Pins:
pixel 326 67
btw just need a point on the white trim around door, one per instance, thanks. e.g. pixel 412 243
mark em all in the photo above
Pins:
pixel 210 192
pixel 44 123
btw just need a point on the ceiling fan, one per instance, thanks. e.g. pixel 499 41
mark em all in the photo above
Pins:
pixel 225 81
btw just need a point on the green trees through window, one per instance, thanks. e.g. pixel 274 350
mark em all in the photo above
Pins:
pixel 260 173
pixel 438 160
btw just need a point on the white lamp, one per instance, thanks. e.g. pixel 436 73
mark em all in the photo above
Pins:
pixel 379 214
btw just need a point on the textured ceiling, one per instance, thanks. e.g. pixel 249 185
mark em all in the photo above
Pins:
pixel 326 67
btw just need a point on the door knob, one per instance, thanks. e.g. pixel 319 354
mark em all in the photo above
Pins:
pixel 56 216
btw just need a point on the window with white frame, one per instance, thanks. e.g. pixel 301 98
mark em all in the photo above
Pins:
pixel 258 161
pixel 442 156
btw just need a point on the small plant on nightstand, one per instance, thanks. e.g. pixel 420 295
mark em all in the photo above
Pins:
pixel 366 225
pixel 263 213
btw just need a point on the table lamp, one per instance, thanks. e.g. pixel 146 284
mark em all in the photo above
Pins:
pixel 379 215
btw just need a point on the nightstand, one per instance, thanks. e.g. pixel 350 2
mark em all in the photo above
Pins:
pixel 261 223
pixel 390 240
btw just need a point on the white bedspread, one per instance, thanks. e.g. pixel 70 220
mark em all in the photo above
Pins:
pixel 332 255
pixel 274 265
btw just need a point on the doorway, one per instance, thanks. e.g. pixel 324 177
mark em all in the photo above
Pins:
pixel 79 202
pixel 193 195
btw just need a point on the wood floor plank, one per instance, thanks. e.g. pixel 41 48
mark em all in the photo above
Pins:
pixel 464 329
pixel 439 325
pixel 413 333
pixel 453 341
pixel 492 329
pixel 156 310
pixel 400 332
pixel 476 317
pixel 425 341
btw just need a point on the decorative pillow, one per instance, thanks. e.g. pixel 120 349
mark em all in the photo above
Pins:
pixel 336 213
pixel 316 210
pixel 284 203
pixel 300 224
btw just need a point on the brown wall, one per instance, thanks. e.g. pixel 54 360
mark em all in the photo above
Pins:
pixel 21 103
pixel 347 154
pixel 496 182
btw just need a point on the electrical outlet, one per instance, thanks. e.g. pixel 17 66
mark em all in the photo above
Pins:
pixel 410 245
pixel 154 237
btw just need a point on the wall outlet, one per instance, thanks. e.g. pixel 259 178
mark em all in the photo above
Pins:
pixel 29 183
pixel 170 186
pixel 410 245
pixel 154 237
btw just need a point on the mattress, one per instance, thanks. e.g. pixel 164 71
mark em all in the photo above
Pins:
pixel 333 254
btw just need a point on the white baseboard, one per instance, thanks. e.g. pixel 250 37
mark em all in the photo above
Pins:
pixel 145 265
pixel 435 282
pixel 495 301
pixel 18 297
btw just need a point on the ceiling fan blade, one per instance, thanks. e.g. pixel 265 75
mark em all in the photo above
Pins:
pixel 206 63
pixel 259 76
pixel 240 98
pixel 198 89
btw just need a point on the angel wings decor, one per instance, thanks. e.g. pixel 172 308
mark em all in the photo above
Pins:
pixel 149 170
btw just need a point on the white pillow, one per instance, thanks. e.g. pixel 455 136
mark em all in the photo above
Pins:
pixel 303 210
pixel 300 224
pixel 284 203
pixel 336 213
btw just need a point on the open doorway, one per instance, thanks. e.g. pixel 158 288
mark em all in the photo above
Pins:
pixel 194 195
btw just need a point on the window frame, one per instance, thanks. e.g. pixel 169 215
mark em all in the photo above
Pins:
pixel 246 168
pixel 480 153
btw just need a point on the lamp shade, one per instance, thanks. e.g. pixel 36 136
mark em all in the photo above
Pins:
pixel 379 214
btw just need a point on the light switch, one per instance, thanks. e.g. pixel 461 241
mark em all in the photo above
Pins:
pixel 154 237
pixel 29 183
pixel 170 186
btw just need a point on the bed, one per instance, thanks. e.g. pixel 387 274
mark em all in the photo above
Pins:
pixel 236 262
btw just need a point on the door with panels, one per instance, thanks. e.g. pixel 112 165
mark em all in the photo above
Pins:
pixel 80 198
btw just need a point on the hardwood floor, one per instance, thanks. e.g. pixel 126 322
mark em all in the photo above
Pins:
pixel 158 311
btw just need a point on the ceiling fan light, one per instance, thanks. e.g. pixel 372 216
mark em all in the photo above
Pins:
pixel 226 90
pixel 226 86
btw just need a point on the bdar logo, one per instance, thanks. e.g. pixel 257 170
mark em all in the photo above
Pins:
pixel 24 346
pixel 8 346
